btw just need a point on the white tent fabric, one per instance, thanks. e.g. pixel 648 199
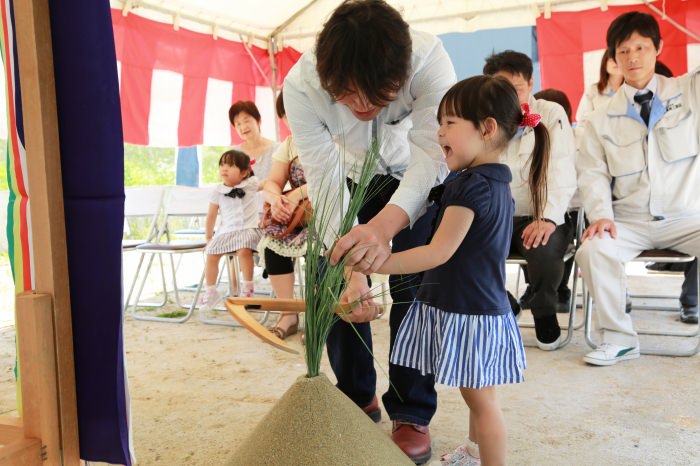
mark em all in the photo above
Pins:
pixel 295 22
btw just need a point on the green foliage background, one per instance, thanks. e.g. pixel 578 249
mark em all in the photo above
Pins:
pixel 146 166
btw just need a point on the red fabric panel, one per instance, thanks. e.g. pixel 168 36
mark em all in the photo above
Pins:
pixel 135 103
pixel 560 52
pixel 148 43
pixel 675 52
pixel 240 92
pixel 564 38
pixel 285 59
pixel 143 45
pixel 284 131
pixel 191 127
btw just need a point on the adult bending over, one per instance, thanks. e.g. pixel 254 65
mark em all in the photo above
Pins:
pixel 370 77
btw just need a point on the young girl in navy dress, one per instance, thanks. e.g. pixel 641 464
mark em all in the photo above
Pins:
pixel 238 230
pixel 460 327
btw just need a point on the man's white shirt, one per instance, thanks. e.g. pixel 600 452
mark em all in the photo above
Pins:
pixel 561 175
pixel 331 141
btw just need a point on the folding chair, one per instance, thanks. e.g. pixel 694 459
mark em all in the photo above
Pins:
pixel 181 202
pixel 570 253
pixel 140 203
pixel 664 256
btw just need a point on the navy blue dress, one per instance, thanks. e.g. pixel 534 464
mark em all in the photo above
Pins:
pixel 460 327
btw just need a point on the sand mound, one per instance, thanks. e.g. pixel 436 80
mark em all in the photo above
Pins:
pixel 314 423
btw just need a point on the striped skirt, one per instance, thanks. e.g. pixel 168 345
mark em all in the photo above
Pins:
pixel 471 351
pixel 232 241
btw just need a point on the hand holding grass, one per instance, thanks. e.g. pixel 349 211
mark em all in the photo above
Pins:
pixel 358 292
pixel 364 248
pixel 367 246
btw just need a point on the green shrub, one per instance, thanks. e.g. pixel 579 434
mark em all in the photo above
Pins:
pixel 146 166
pixel 210 163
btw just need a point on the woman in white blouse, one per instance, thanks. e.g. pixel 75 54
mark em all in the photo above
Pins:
pixel 598 95
pixel 245 118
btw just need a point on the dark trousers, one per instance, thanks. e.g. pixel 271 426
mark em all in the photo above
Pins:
pixel 545 267
pixel 689 292
pixel 571 219
pixel 411 397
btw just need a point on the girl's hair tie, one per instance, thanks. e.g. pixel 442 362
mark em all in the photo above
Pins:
pixel 529 119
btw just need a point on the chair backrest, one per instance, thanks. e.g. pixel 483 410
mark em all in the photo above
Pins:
pixel 143 201
pixel 187 201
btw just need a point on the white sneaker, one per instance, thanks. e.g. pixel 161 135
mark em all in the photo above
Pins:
pixel 209 301
pixel 608 354
pixel 551 346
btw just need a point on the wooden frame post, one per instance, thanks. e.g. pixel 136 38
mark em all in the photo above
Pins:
pixel 49 312
pixel 36 437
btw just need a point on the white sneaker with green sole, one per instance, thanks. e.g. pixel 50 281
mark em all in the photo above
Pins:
pixel 608 354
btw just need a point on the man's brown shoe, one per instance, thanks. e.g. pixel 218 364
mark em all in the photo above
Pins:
pixel 413 440
pixel 372 410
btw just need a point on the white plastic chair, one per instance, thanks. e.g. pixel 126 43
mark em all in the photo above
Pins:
pixel 142 202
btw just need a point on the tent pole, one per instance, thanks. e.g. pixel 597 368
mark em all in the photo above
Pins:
pixel 291 19
pixel 246 46
pixel 271 49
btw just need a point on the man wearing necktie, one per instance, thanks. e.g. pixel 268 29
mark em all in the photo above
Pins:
pixel 638 172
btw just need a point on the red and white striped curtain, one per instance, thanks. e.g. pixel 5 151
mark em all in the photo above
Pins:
pixel 176 86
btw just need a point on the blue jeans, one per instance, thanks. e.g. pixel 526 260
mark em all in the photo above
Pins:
pixel 411 397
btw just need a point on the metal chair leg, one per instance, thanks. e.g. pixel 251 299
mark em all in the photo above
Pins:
pixel 175 320
pixel 651 351
pixel 133 282
pixel 137 303
pixel 227 323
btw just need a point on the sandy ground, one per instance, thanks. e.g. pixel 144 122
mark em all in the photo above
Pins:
pixel 197 390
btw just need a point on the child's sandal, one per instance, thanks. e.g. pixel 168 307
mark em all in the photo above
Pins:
pixel 459 457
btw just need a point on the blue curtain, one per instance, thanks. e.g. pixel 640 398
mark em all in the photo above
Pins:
pixel 92 164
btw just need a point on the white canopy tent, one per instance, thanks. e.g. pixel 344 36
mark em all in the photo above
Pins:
pixel 274 25
pixel 295 22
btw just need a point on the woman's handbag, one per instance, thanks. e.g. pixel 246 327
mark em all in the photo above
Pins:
pixel 300 218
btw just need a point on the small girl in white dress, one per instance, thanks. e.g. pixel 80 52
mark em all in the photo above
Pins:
pixel 235 199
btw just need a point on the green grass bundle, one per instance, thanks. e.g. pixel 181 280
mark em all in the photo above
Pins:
pixel 325 283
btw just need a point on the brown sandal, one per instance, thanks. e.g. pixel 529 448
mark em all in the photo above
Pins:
pixel 280 333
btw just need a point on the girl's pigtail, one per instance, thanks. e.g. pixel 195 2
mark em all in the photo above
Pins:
pixel 539 165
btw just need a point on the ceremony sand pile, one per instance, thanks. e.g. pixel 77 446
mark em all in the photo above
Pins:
pixel 315 424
